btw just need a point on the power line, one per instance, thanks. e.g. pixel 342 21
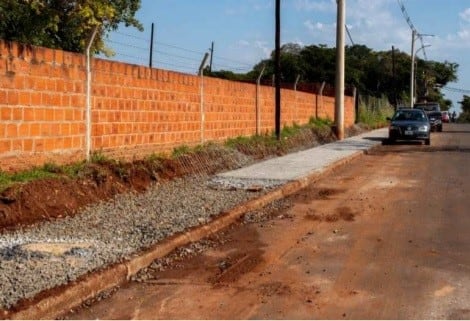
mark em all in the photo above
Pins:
pixel 349 35
pixel 412 27
pixel 457 90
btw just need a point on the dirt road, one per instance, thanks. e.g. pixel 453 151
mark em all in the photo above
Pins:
pixel 386 237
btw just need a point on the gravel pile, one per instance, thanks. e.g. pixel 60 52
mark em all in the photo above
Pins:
pixel 55 253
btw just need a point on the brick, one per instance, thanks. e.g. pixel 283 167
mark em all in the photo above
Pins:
pixel 12 97
pixel 17 114
pixel 6 113
pixel 50 144
pixel 28 145
pixel 48 114
pixel 11 131
pixel 67 143
pixel 65 129
pixel 5 145
pixel 23 130
pixel 24 98
pixel 35 130
pixel 17 145
pixel 46 129
pixel 38 145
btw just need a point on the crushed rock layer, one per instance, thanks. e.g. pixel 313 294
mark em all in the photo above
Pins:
pixel 57 252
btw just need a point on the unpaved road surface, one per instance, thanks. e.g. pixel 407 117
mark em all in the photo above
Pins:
pixel 385 237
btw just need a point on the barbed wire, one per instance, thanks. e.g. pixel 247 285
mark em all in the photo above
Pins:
pixel 167 54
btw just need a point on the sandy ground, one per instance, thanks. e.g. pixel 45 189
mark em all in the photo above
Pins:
pixel 385 237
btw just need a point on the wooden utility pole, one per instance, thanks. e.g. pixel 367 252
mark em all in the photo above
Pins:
pixel 277 70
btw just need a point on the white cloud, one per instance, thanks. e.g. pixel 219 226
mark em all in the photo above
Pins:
pixel 311 5
pixel 262 4
pixel 318 26
pixel 263 45
pixel 464 34
pixel 465 15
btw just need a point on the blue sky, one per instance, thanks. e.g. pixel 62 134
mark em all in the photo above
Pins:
pixel 243 31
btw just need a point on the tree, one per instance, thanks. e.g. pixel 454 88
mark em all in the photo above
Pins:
pixel 371 72
pixel 65 24
pixel 464 116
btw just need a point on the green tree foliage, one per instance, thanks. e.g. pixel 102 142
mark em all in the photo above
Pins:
pixel 465 105
pixel 64 24
pixel 373 73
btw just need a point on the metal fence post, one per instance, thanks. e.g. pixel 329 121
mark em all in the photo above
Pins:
pixel 88 94
pixel 201 74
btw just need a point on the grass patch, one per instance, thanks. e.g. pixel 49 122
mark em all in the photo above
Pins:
pixel 263 145
pixel 180 150
pixel 98 157
pixel 319 122
pixel 373 112
pixel 8 179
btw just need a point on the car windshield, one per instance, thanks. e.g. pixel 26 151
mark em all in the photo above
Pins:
pixel 427 107
pixel 435 114
pixel 410 115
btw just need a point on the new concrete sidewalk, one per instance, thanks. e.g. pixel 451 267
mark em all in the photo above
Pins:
pixel 302 164
pixel 290 174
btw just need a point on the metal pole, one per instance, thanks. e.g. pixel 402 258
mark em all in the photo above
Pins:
pixel 88 94
pixel 412 76
pixel 339 86
pixel 201 73
pixel 415 83
pixel 321 98
pixel 258 111
pixel 151 48
pixel 394 81
pixel 277 71
pixel 212 55
pixel 295 90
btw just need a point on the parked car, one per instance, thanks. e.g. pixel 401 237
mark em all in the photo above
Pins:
pixel 428 106
pixel 435 120
pixel 445 117
pixel 409 124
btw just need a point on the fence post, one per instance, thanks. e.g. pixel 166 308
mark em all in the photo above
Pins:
pixel 258 111
pixel 201 74
pixel 295 92
pixel 321 98
pixel 355 104
pixel 88 94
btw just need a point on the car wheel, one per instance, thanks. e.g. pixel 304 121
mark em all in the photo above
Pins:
pixel 427 141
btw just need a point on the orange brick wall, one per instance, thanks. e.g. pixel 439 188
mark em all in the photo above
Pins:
pixel 135 110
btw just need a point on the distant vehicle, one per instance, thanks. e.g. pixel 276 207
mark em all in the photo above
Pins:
pixel 409 124
pixel 435 120
pixel 445 117
pixel 428 106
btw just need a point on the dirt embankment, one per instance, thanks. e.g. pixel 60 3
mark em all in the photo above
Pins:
pixel 28 203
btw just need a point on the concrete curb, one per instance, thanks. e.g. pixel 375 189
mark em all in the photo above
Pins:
pixel 55 302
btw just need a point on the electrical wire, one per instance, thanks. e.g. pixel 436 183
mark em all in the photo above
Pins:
pixel 349 35
pixel 457 90
pixel 412 27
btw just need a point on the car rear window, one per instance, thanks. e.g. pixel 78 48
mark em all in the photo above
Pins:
pixel 428 107
pixel 413 115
